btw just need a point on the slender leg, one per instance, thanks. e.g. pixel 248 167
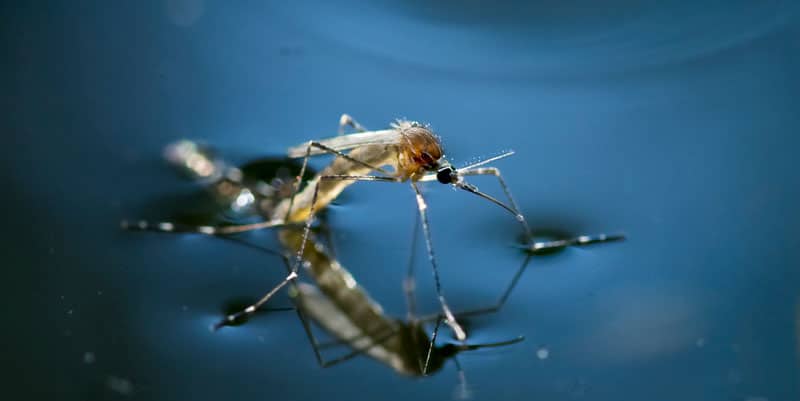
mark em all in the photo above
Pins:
pixel 431 346
pixel 303 168
pixel 356 351
pixel 448 314
pixel 496 172
pixel 409 283
pixel 295 266
pixel 315 344
pixel 506 293
pixel 535 248
pixel 250 310
pixel 347 120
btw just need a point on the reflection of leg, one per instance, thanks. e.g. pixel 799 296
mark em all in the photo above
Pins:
pixel 546 246
pixel 250 310
pixel 210 230
pixel 534 249
pixel 312 208
pixel 496 172
pixel 502 300
pixel 450 319
pixel 357 351
pixel 317 347
pixel 295 265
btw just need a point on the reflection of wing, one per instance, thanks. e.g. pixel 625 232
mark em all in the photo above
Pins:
pixel 350 141
pixel 328 316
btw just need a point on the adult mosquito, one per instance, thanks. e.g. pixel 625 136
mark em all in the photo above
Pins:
pixel 407 152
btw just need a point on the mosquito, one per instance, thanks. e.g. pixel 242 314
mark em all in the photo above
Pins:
pixel 407 152
pixel 338 303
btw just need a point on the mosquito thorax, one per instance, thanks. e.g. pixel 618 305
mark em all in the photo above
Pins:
pixel 419 151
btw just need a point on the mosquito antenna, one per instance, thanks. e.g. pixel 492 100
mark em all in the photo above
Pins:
pixel 473 189
pixel 489 160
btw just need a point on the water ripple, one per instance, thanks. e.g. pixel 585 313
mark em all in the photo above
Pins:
pixel 544 37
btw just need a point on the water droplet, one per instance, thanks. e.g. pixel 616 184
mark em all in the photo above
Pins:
pixel 542 353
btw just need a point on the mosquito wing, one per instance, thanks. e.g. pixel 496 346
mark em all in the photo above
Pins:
pixel 350 141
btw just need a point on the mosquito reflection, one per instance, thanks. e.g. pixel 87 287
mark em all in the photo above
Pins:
pixel 339 305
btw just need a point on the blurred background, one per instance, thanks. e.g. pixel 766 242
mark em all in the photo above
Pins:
pixel 673 122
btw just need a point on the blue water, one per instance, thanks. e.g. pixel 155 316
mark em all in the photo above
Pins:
pixel 673 122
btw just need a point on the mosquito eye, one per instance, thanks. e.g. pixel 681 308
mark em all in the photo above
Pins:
pixel 445 175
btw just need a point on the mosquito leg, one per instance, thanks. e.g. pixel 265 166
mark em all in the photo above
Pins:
pixel 506 293
pixel 539 248
pixel 250 310
pixel 209 230
pixel 497 305
pixel 448 314
pixel 347 120
pixel 496 172
pixel 309 220
pixel 432 344
pixel 409 283
pixel 306 326
pixel 304 167
pixel 312 210
pixel 317 347
pixel 534 249
pixel 290 277
pixel 547 246
pixel 312 339
pixel 293 269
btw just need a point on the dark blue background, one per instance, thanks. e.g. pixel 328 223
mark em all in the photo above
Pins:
pixel 675 122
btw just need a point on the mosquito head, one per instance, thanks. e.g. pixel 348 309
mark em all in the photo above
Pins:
pixel 446 174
